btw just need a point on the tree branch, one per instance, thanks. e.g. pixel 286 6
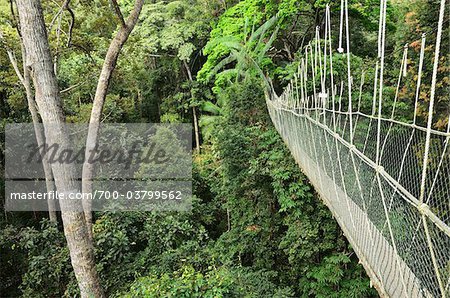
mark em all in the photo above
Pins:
pixel 72 22
pixel 13 60
pixel 99 99
pixel 15 21
pixel 64 6
pixel 56 16
pixel 71 87
pixel 118 12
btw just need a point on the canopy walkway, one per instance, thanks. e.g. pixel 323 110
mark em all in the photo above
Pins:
pixel 386 181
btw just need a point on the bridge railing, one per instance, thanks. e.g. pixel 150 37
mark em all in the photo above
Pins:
pixel 386 181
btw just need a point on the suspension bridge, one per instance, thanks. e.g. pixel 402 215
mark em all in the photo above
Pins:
pixel 385 180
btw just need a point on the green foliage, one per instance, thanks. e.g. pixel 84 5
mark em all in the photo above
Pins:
pixel 277 223
pixel 183 283
pixel 175 27
pixel 235 24
pixel 41 254
pixel 134 243
pixel 249 58
pixel 256 228
pixel 217 282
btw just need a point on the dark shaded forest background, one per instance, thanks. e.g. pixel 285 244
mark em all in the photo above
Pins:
pixel 257 228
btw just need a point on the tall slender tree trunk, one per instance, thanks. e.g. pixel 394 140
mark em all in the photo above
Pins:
pixel 99 100
pixel 39 61
pixel 196 132
pixel 40 138
pixel 194 113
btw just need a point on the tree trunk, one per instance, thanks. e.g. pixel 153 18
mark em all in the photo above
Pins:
pixel 40 138
pixel 197 135
pixel 39 60
pixel 194 113
pixel 100 94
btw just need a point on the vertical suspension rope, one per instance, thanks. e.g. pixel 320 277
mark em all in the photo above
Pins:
pixel 317 60
pixel 349 76
pixel 339 106
pixel 432 96
pixel 427 145
pixel 375 87
pixel 361 84
pixel 381 44
pixel 405 68
pixel 363 77
pixel 331 55
pixel 300 96
pixel 306 62
pixel 401 73
pixel 324 80
pixel 296 87
pixel 419 76
pixel 305 76
pixel 340 49
pixel 313 69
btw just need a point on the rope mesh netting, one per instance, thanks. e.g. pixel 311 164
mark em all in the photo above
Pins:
pixel 386 181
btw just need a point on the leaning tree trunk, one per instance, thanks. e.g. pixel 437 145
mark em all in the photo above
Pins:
pixel 39 61
pixel 40 138
pixel 99 99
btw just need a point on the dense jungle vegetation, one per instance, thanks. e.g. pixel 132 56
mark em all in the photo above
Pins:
pixel 257 228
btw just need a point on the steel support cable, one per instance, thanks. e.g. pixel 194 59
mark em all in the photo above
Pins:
pixel 322 94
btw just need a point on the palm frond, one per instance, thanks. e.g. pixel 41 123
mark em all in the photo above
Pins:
pixel 223 63
pixel 269 43
pixel 211 108
pixel 263 28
